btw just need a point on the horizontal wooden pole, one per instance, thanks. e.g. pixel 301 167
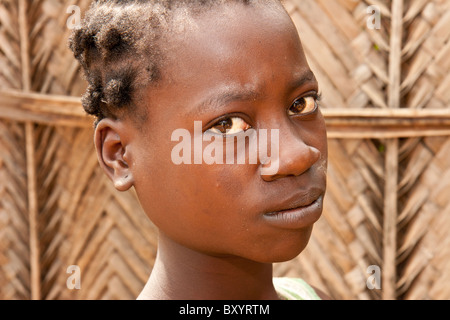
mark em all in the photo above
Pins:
pixel 341 123
pixel 386 123
pixel 43 109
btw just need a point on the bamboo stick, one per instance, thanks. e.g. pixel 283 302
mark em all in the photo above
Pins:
pixel 341 123
pixel 24 46
pixel 33 213
pixel 389 278
pixel 378 133
pixel 44 109
pixel 387 113
pixel 35 272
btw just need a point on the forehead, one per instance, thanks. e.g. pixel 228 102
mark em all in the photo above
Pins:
pixel 235 51
pixel 226 33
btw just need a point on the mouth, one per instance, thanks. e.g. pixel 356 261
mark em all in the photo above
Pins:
pixel 299 214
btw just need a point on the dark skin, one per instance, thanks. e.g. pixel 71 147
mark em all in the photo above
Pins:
pixel 214 239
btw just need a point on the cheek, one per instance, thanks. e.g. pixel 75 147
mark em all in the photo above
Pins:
pixel 196 195
pixel 323 136
pixel 166 181
pixel 318 132
pixel 211 189
pixel 200 206
pixel 317 137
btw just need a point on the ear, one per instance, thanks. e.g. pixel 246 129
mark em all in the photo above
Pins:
pixel 112 153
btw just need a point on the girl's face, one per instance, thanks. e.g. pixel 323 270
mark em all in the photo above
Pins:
pixel 242 70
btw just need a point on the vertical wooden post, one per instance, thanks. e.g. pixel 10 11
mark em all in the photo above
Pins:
pixel 33 213
pixel 395 55
pixel 389 274
pixel 389 270
pixel 35 273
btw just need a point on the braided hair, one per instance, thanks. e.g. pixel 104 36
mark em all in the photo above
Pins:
pixel 119 49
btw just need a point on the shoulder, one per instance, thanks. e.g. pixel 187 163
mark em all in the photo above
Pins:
pixel 297 289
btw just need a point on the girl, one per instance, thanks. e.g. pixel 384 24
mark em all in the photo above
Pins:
pixel 162 73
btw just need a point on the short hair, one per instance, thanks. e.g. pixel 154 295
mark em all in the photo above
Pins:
pixel 117 45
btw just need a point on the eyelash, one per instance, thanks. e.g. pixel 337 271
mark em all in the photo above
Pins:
pixel 222 122
pixel 316 96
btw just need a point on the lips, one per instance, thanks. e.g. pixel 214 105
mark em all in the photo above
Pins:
pixel 299 200
pixel 298 211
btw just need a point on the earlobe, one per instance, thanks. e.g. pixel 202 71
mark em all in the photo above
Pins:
pixel 111 149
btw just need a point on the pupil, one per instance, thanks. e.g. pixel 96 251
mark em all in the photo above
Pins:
pixel 225 125
pixel 298 105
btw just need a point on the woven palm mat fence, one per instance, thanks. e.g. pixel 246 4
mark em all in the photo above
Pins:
pixel 386 99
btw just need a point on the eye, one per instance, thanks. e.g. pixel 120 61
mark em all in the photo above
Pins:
pixel 231 125
pixel 304 105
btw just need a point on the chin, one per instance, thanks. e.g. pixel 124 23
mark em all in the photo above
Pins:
pixel 287 255
pixel 286 248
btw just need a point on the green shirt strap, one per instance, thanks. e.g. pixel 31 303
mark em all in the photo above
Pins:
pixel 294 289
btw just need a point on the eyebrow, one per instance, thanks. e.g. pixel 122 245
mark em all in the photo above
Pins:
pixel 222 97
pixel 303 78
pixel 228 94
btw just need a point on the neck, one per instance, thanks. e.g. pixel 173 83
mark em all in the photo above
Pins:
pixel 180 273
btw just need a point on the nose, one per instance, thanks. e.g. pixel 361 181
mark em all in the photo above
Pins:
pixel 295 156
